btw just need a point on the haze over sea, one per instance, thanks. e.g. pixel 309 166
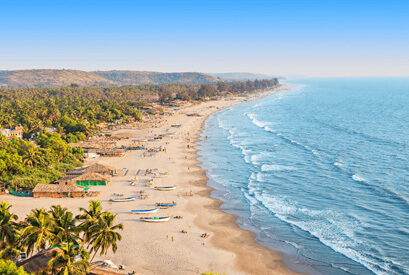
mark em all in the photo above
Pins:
pixel 319 172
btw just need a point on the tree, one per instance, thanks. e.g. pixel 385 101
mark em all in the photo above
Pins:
pixel 63 229
pixel 69 260
pixel 10 268
pixel 104 234
pixel 206 90
pixel 90 218
pixel 8 232
pixel 31 157
pixel 37 231
pixel 8 225
pixel 222 87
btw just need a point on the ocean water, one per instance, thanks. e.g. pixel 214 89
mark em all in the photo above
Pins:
pixel 320 172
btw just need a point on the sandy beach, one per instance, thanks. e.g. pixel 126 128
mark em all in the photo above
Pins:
pixel 162 248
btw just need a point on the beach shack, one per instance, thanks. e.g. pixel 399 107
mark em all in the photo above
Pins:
pixel 101 169
pixel 111 152
pixel 86 179
pixel 42 190
pixel 91 179
pixel 94 168
pixel 75 172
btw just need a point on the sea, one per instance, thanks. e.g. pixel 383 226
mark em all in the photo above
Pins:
pixel 319 172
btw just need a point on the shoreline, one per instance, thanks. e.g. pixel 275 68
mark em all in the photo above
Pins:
pixel 251 256
pixel 162 248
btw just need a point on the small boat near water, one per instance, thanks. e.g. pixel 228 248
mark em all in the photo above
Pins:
pixel 142 211
pixel 166 205
pixel 165 188
pixel 122 199
pixel 155 219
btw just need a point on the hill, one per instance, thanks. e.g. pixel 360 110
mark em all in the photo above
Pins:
pixel 50 78
pixel 136 77
pixel 241 76
pixel 58 78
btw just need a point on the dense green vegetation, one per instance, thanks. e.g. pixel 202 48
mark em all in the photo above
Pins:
pixel 89 233
pixel 22 164
pixel 75 113
pixel 10 268
pixel 71 110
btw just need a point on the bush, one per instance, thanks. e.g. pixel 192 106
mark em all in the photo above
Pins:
pixel 9 268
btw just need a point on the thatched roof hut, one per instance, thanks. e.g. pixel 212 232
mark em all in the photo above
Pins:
pixel 111 152
pixel 38 262
pixel 66 180
pixel 93 168
pixel 101 169
pixel 56 191
pixel 75 172
pixel 91 179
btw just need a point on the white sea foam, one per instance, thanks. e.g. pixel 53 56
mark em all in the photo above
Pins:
pixel 260 177
pixel 233 139
pixel 358 178
pixel 336 232
pixel 275 167
pixel 263 156
pixel 256 121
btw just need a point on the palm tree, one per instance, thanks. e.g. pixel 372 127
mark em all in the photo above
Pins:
pixel 37 232
pixel 70 260
pixel 8 224
pixel 104 234
pixel 90 217
pixel 63 229
pixel 31 157
pixel 8 232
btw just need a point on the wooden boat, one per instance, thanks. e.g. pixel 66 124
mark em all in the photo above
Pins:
pixel 166 188
pixel 155 219
pixel 123 199
pixel 166 205
pixel 143 211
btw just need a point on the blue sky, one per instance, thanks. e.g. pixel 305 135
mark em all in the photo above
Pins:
pixel 315 38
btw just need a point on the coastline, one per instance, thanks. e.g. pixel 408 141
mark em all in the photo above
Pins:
pixel 162 248
pixel 251 256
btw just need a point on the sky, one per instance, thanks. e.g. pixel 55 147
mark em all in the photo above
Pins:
pixel 278 37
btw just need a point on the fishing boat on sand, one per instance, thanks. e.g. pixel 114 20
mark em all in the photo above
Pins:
pixel 155 219
pixel 143 211
pixel 122 199
pixel 165 188
pixel 166 205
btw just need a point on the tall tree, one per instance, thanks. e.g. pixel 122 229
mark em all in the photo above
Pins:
pixel 37 231
pixel 63 228
pixel 104 234
pixel 89 218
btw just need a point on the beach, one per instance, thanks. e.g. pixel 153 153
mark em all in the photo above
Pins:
pixel 162 248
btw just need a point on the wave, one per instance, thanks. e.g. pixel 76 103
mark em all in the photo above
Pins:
pixel 256 121
pixel 262 156
pixel 336 232
pixel 359 178
pixel 275 167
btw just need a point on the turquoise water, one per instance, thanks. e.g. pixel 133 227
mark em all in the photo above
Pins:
pixel 320 172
